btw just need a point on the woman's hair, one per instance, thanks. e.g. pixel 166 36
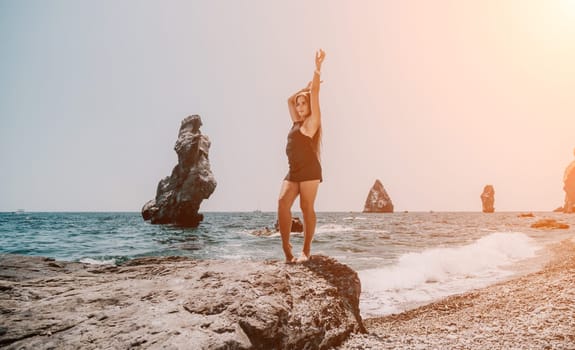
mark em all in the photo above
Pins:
pixel 316 139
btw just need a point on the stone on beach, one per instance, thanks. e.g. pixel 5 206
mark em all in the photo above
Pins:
pixel 177 303
pixel 178 196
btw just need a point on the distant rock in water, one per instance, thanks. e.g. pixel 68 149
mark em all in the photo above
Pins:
pixel 549 224
pixel 178 196
pixel 296 225
pixel 488 199
pixel 378 200
pixel 569 187
pixel 565 208
pixel 560 209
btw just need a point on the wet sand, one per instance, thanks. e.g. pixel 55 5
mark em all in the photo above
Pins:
pixel 535 311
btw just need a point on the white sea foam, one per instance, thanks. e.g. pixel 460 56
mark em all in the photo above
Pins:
pixel 333 228
pixel 422 277
pixel 98 262
pixel 372 231
pixel 347 218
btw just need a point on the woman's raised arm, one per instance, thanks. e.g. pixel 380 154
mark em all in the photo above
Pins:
pixel 291 103
pixel 312 124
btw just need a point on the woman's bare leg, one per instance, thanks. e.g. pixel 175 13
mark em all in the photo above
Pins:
pixel 308 192
pixel 288 194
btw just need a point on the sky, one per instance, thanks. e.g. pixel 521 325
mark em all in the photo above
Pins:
pixel 434 98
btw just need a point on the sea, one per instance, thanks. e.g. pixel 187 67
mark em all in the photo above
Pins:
pixel 404 260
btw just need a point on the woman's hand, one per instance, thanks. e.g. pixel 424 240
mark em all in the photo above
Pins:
pixel 319 57
pixel 305 89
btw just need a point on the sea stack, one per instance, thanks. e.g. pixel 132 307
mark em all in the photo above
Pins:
pixel 378 200
pixel 569 187
pixel 178 196
pixel 488 199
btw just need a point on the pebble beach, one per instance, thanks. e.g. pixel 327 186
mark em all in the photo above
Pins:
pixel 535 311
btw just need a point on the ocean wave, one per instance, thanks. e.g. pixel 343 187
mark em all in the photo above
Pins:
pixel 333 228
pixel 98 262
pixel 437 272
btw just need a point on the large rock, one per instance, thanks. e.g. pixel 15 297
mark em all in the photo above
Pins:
pixel 569 187
pixel 178 196
pixel 549 224
pixel 378 200
pixel 488 199
pixel 296 226
pixel 177 303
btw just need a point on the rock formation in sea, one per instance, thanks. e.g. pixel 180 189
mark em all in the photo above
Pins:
pixel 568 206
pixel 488 199
pixel 178 196
pixel 549 224
pixel 296 226
pixel 177 303
pixel 378 201
pixel 569 187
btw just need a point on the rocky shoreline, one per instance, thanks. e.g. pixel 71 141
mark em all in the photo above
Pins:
pixel 536 311
pixel 177 303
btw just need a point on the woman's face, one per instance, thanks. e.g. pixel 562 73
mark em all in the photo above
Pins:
pixel 302 106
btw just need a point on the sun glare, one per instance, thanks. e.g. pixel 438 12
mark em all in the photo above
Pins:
pixel 562 12
pixel 567 7
pixel 551 24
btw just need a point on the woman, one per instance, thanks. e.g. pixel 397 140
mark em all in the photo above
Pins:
pixel 304 173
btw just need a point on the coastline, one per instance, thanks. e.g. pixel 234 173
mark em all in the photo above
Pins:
pixel 177 303
pixel 534 311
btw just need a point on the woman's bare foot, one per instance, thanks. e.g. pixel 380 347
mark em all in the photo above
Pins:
pixel 303 258
pixel 290 259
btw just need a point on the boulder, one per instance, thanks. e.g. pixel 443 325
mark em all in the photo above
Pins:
pixel 296 225
pixel 549 224
pixel 569 205
pixel 569 187
pixel 178 196
pixel 378 200
pixel 488 199
pixel 177 303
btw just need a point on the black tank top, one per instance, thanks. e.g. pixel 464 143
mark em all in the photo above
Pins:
pixel 304 164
